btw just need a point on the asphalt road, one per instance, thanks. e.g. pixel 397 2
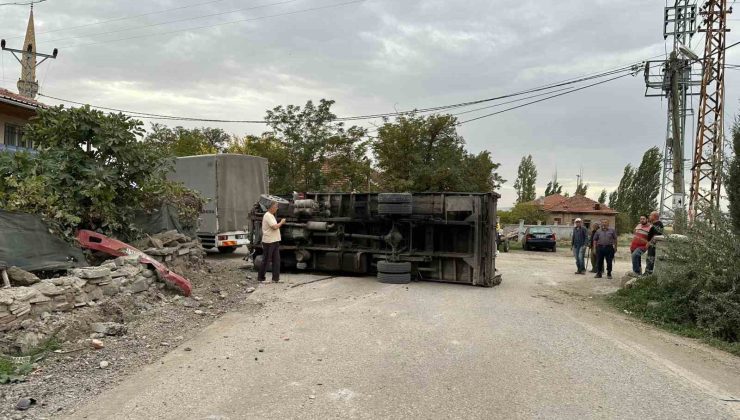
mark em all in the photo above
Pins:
pixel 538 346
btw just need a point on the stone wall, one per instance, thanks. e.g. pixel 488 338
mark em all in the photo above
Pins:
pixel 174 249
pixel 81 287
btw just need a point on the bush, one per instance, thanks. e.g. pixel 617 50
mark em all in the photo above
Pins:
pixel 697 284
pixel 91 172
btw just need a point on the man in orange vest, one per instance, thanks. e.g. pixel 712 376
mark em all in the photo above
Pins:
pixel 639 244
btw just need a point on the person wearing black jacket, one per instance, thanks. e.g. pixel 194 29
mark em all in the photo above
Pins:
pixel 594 228
pixel 655 230
pixel 579 242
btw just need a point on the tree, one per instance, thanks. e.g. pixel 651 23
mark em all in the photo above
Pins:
pixel 348 166
pixel 529 212
pixel 181 141
pixel 425 153
pixel 613 196
pixel 553 187
pixel 646 184
pixel 526 180
pixel 91 172
pixel 733 178
pixel 581 189
pixel 623 194
pixel 602 197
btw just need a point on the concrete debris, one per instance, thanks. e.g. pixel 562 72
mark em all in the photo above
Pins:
pixel 19 277
pixel 97 344
pixel 104 364
pixel 174 249
pixel 24 404
pixel 82 287
pixel 250 289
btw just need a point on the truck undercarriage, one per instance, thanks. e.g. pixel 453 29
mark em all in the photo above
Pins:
pixel 447 237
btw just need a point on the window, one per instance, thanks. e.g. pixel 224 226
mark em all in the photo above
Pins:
pixel 14 137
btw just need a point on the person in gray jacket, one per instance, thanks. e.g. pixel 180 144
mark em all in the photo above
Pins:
pixel 578 244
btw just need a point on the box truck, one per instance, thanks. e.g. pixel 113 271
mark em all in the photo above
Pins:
pixel 230 184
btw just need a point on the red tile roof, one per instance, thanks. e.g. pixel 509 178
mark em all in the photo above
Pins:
pixel 556 203
pixel 8 96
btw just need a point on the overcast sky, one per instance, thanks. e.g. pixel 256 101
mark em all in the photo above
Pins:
pixel 373 56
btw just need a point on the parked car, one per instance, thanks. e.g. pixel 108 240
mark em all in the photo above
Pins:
pixel 539 237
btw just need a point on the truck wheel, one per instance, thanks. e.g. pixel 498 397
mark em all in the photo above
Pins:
pixel 388 267
pixel 506 245
pixel 394 198
pixel 394 208
pixel 226 249
pixel 394 278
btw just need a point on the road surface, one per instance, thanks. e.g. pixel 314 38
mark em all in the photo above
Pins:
pixel 542 344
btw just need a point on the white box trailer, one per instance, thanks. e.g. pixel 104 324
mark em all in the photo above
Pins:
pixel 230 184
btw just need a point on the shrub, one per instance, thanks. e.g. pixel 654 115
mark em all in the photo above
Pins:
pixel 91 171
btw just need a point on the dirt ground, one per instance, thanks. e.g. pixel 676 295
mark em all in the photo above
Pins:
pixel 542 344
pixel 154 325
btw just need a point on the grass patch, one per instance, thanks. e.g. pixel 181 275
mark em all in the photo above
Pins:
pixel 666 308
pixel 13 372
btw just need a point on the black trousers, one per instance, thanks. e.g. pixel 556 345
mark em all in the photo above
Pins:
pixel 270 255
pixel 602 253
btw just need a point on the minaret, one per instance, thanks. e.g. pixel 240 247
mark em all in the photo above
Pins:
pixel 27 85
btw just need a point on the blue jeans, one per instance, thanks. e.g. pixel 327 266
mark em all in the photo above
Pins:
pixel 637 260
pixel 579 252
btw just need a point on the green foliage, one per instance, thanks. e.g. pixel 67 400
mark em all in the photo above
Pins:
pixel 646 184
pixel 526 180
pixel 602 197
pixel 425 153
pixel 91 171
pixel 553 187
pixel 697 284
pixel 613 197
pixel 733 178
pixel 181 141
pixel 581 189
pixel 530 213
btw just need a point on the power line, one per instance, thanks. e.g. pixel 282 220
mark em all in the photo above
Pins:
pixel 547 87
pixel 312 9
pixel 151 25
pixel 541 100
pixel 100 22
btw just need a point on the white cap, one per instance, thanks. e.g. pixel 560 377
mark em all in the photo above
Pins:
pixel 579 220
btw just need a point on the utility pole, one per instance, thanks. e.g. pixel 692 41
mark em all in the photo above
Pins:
pixel 28 86
pixel 674 81
pixel 706 179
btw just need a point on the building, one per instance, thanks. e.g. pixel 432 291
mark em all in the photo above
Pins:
pixel 562 210
pixel 15 112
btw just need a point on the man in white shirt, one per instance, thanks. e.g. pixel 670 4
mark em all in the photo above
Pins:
pixel 271 244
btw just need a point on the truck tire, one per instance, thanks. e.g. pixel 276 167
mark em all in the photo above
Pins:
pixel 226 249
pixel 394 278
pixel 394 208
pixel 506 245
pixel 394 198
pixel 388 267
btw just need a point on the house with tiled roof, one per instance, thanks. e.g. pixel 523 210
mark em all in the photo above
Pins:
pixel 561 210
pixel 15 112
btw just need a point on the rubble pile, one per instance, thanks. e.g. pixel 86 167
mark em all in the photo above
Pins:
pixel 174 249
pixel 79 288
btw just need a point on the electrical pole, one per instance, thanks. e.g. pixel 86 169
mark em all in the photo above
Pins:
pixel 706 179
pixel 674 81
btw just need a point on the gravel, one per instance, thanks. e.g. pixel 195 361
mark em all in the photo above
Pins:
pixel 154 324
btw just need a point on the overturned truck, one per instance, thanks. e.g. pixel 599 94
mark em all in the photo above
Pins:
pixel 446 237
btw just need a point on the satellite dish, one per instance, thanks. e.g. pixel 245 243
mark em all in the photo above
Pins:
pixel 686 52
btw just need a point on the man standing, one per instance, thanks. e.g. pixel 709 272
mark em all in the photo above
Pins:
pixel 592 250
pixel 605 242
pixel 655 230
pixel 271 244
pixel 578 242
pixel 639 244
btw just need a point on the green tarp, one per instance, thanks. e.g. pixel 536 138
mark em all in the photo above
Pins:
pixel 162 220
pixel 25 242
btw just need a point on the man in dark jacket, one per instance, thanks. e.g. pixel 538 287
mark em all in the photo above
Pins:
pixel 655 230
pixel 605 242
pixel 578 243
pixel 594 263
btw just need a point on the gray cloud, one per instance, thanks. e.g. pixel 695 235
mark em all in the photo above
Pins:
pixel 377 56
